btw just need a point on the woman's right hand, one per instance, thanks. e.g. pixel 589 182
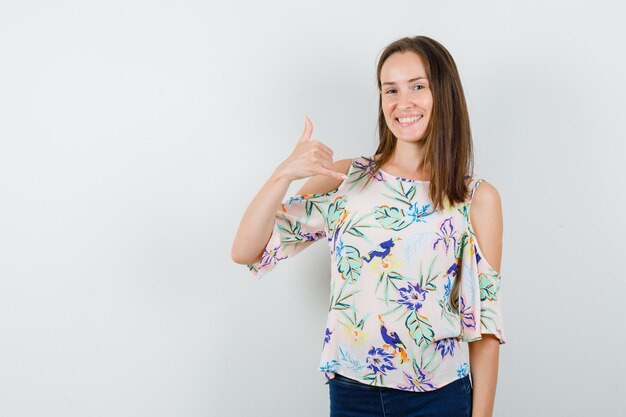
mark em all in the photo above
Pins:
pixel 310 157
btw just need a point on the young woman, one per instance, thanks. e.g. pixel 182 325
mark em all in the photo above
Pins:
pixel 415 245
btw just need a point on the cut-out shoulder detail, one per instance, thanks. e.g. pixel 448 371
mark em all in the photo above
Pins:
pixel 488 195
pixel 323 184
pixel 486 211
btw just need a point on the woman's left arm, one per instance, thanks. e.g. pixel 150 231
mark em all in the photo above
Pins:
pixel 486 217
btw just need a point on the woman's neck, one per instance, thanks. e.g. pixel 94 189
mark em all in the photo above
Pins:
pixel 407 161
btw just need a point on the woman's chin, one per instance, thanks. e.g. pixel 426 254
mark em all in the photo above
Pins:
pixel 409 139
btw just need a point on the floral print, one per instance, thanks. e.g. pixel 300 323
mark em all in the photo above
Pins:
pixel 379 360
pixel 394 262
pixel 412 296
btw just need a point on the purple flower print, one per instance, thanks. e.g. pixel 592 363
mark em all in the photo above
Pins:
pixel 368 169
pixel 467 317
pixel 379 361
pixel 477 254
pixel 452 271
pixel 412 296
pixel 327 337
pixel 311 237
pixel 417 383
pixel 446 346
pixel 270 257
pixel 447 235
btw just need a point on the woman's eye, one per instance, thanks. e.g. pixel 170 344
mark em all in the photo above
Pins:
pixel 390 91
pixel 417 85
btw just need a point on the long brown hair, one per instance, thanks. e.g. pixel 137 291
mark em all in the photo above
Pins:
pixel 448 140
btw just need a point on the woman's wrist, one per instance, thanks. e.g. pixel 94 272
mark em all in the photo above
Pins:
pixel 281 175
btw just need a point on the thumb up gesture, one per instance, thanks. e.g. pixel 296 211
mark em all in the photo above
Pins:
pixel 310 157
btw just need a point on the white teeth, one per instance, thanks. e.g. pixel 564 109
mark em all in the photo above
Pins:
pixel 409 119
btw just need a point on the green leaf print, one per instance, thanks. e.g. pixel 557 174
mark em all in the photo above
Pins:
pixel 348 361
pixel 388 278
pixel 464 210
pixel 420 329
pixel 317 201
pixel 431 362
pixel 400 193
pixel 353 320
pixel 297 228
pixel 372 377
pixel 350 263
pixel 448 313
pixel 335 211
pixel 488 287
pixel 429 277
pixel 354 231
pixel 392 218
pixel 340 305
pixel 308 206
pixel 339 301
pixel 463 240
pixel 488 318
pixel 291 231
pixel 353 226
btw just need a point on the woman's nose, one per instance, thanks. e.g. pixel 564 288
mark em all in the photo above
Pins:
pixel 405 100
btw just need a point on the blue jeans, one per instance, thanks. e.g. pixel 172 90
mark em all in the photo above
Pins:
pixel 349 398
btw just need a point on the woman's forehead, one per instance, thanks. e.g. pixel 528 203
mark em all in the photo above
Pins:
pixel 402 67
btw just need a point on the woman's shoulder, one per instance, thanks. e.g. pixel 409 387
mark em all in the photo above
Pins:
pixel 321 184
pixel 483 193
pixel 485 205
pixel 487 222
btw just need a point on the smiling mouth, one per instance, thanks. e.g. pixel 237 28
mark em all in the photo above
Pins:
pixel 408 121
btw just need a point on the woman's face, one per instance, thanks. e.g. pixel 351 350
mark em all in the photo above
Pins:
pixel 407 100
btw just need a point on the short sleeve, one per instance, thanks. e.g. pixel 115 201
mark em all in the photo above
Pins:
pixel 298 223
pixel 480 299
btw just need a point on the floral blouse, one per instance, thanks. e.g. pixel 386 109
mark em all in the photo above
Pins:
pixel 394 262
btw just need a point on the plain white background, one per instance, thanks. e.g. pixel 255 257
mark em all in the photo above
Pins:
pixel 133 134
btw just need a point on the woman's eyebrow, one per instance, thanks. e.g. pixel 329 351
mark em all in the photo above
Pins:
pixel 411 80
